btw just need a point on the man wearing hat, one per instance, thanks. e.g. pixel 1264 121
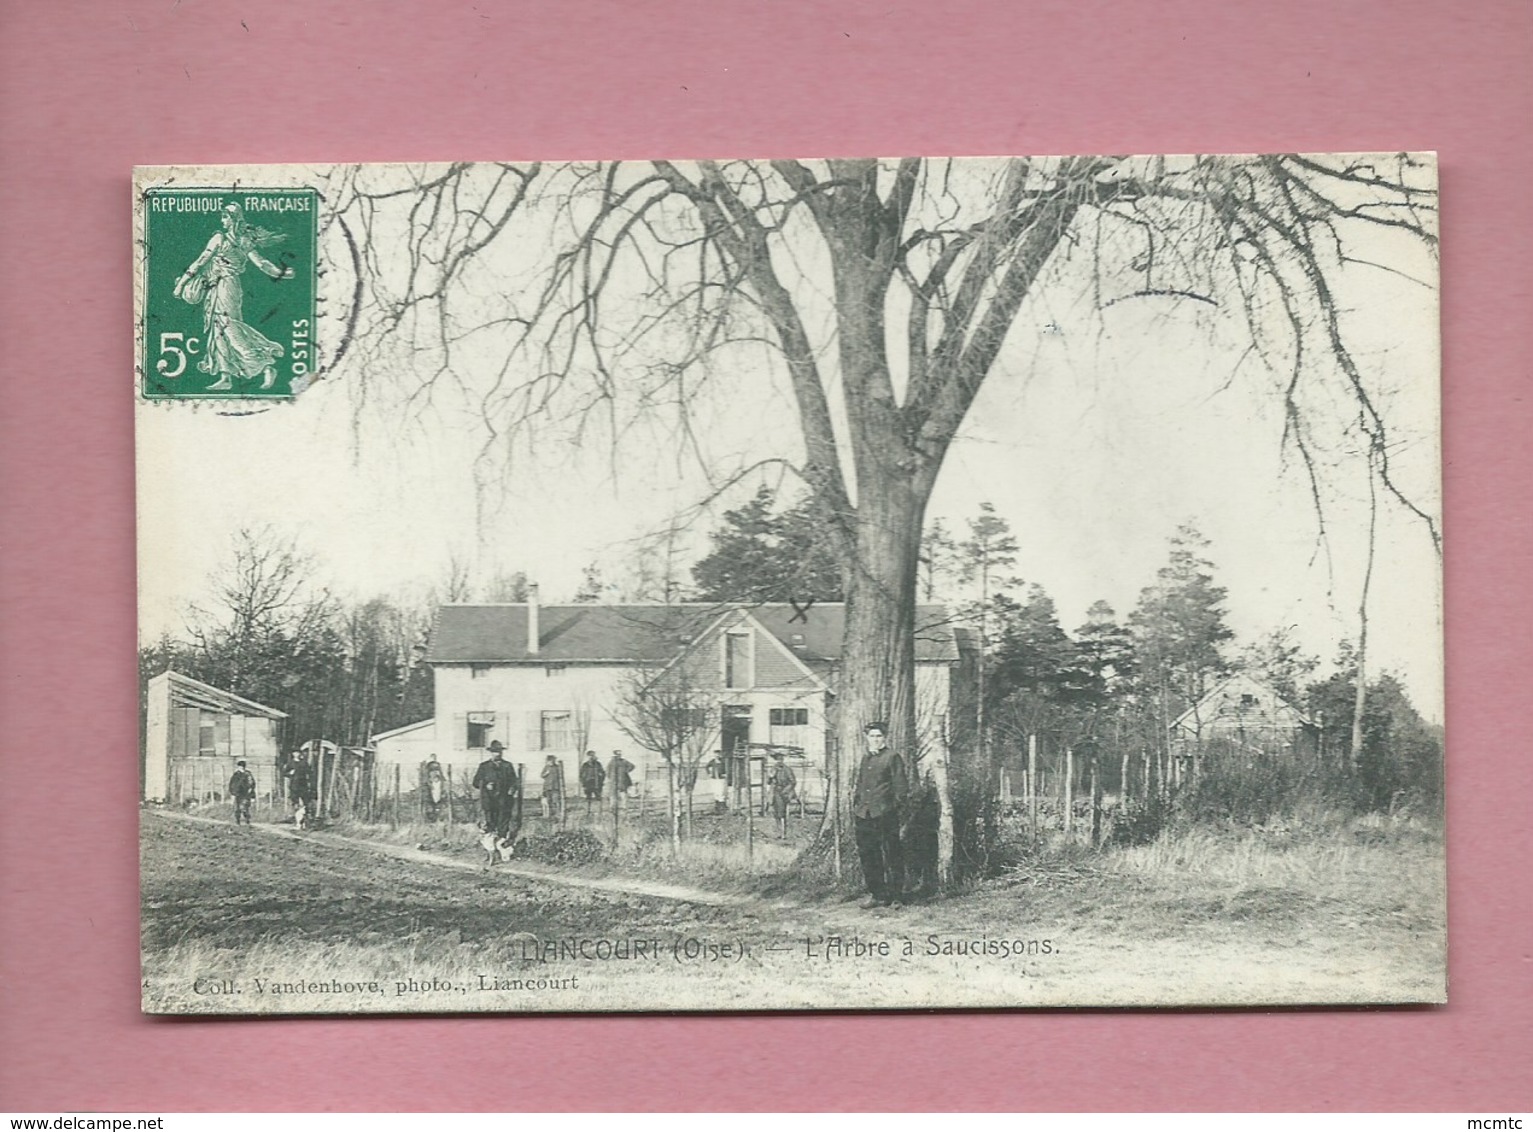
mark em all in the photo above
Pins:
pixel 496 782
pixel 782 788
pixel 242 789
pixel 877 799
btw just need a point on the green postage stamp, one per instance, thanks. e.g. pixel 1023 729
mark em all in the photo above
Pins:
pixel 228 303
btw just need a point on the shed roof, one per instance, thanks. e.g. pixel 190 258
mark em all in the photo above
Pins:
pixel 186 691
pixel 490 634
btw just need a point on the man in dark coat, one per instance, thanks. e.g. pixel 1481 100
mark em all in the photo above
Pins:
pixel 242 788
pixel 301 788
pixel 497 785
pixel 620 771
pixel 592 777
pixel 878 798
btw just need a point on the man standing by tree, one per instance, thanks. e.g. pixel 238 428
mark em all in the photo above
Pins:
pixel 877 800
pixel 496 782
pixel 242 789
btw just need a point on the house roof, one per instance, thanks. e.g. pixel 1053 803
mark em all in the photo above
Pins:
pixel 405 730
pixel 491 634
pixel 188 692
pixel 1233 685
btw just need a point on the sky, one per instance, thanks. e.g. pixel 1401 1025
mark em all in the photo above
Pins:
pixel 1094 437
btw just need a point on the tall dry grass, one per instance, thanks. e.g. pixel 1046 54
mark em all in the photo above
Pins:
pixel 1374 858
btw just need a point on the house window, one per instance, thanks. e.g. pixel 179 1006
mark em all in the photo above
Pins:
pixel 207 734
pixel 1247 700
pixel 478 671
pixel 555 732
pixel 480 725
pixel 787 726
pixel 737 660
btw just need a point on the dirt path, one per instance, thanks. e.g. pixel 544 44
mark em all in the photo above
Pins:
pixel 627 886
pixel 255 908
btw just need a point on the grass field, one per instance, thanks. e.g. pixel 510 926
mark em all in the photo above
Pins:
pixel 239 920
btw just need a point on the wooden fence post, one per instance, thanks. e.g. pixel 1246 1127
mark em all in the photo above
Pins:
pixel 450 819
pixel 1096 803
pixel 1068 790
pixel 750 818
pixel 1032 785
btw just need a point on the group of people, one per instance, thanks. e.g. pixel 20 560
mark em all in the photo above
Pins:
pixel 500 788
pixel 301 792
pixel 888 817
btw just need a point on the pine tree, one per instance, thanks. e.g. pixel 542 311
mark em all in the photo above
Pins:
pixel 761 555
pixel 1179 628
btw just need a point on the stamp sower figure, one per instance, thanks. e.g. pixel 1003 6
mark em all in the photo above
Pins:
pixel 784 788
pixel 242 788
pixel 496 782
pixel 553 787
pixel 233 348
pixel 877 799
pixel 592 776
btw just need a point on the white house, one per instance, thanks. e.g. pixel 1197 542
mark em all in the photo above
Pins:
pixel 552 678
pixel 194 732
pixel 1243 714
pixel 407 746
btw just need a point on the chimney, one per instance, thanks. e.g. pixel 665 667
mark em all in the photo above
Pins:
pixel 532 620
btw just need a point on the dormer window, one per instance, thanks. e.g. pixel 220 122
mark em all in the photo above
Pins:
pixel 737 660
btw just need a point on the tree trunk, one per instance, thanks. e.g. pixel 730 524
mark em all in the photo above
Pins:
pixel 878 664
pixel 673 819
pixel 1360 699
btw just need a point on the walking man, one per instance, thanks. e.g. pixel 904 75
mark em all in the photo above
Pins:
pixel 592 776
pixel 784 790
pixel 496 782
pixel 242 788
pixel 301 789
pixel 877 799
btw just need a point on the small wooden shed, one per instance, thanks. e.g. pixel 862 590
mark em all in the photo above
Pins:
pixel 194 734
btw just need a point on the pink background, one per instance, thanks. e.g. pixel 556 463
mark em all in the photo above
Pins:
pixel 90 89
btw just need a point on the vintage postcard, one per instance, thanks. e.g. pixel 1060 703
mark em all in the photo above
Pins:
pixel 790 585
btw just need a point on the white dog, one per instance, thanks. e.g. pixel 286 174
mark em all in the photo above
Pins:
pixel 300 816
pixel 496 849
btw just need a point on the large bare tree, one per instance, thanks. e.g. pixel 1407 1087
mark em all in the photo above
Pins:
pixel 880 293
